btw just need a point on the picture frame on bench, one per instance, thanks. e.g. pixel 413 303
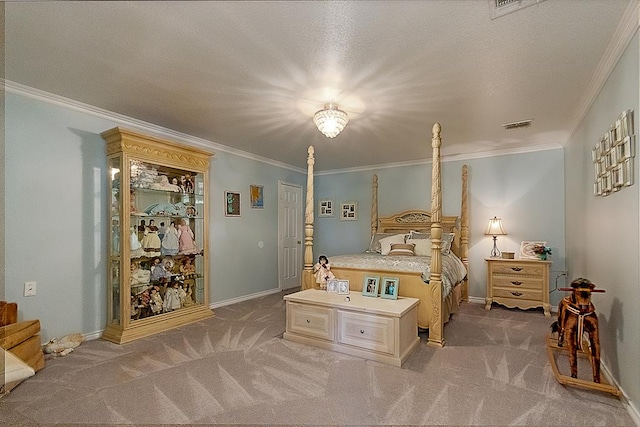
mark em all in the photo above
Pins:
pixel 343 287
pixel 370 286
pixel 390 288
pixel 332 286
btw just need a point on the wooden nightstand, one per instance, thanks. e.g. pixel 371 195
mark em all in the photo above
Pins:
pixel 521 283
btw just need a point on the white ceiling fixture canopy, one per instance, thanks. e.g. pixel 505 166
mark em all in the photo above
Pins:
pixel 330 120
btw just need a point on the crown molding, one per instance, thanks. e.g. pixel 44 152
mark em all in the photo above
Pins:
pixel 135 124
pixel 162 132
pixel 448 158
pixel 627 27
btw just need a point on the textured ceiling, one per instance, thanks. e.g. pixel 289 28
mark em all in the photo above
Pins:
pixel 250 75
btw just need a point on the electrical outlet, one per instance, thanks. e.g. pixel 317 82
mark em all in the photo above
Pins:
pixel 29 289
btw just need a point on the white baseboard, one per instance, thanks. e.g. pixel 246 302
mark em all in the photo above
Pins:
pixel 476 300
pixel 244 298
pixel 98 334
pixel 631 408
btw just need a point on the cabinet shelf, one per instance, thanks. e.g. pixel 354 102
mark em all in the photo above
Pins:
pixel 158 238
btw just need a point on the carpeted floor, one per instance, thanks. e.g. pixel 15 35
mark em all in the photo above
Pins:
pixel 236 369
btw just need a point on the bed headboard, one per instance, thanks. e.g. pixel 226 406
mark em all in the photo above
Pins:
pixel 419 220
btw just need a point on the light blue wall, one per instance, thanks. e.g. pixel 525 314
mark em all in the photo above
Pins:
pixel 603 233
pixel 239 266
pixel 525 190
pixel 54 218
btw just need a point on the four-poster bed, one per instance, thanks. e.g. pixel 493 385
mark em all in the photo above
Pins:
pixel 439 294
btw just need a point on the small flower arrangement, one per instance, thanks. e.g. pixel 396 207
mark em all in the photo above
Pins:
pixel 542 251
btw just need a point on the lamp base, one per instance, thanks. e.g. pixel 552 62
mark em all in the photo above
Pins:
pixel 495 253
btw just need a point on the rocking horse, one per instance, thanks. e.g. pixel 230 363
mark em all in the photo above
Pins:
pixel 577 317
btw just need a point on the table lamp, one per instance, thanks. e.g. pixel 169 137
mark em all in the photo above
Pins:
pixel 495 229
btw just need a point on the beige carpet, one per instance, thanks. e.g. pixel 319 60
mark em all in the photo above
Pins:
pixel 236 369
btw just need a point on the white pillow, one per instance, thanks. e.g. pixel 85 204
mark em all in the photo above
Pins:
pixel 375 241
pixel 385 244
pixel 422 246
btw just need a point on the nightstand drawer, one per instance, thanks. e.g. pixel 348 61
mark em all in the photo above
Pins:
pixel 310 320
pixel 520 269
pixel 517 282
pixel 517 294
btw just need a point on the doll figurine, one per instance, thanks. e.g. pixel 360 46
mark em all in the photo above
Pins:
pixel 188 184
pixel 170 244
pixel 182 293
pixel 186 239
pixel 135 309
pixel 155 301
pixel 322 271
pixel 188 301
pixel 136 250
pixel 159 270
pixel 171 298
pixel 150 240
pixel 187 268
pixel 139 277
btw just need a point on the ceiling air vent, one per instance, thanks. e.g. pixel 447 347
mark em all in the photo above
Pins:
pixel 503 7
pixel 501 3
pixel 517 125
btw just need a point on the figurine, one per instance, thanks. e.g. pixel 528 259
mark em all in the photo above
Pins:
pixel 188 301
pixel 161 230
pixel 158 271
pixel 136 250
pixel 139 276
pixel 182 294
pixel 151 242
pixel 162 183
pixel 187 268
pixel 171 298
pixel 155 301
pixel 170 244
pixel 186 239
pixel 322 271
pixel 188 184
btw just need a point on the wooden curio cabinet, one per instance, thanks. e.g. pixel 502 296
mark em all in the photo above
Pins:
pixel 158 245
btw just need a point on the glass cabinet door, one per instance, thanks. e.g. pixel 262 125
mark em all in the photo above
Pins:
pixel 115 236
pixel 166 239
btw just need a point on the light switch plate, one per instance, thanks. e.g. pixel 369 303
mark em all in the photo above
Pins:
pixel 29 289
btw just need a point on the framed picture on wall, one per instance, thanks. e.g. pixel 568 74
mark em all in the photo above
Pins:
pixel 231 203
pixel 257 196
pixel 325 208
pixel 349 211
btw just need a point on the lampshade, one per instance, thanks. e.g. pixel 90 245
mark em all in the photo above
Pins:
pixel 495 228
pixel 330 120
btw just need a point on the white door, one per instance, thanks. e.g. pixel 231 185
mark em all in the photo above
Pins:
pixel 290 240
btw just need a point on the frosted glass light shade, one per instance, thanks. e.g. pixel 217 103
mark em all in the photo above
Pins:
pixel 330 120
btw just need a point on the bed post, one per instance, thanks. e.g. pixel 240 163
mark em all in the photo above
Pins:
pixel 307 272
pixel 374 206
pixel 436 323
pixel 464 233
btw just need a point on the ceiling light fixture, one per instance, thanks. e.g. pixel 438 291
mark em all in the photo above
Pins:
pixel 330 120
